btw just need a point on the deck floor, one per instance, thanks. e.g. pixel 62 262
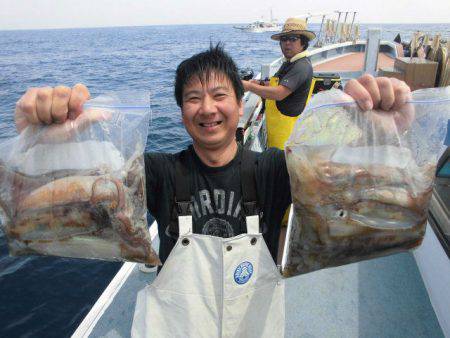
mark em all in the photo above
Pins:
pixel 382 297
pixel 352 62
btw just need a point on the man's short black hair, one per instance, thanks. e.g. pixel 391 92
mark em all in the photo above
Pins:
pixel 202 65
pixel 305 42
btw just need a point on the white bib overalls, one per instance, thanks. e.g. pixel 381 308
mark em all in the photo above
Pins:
pixel 214 287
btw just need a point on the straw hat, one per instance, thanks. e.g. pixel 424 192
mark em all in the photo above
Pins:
pixel 294 26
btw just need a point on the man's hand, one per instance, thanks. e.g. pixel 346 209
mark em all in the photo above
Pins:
pixel 387 94
pixel 61 108
pixel 50 105
pixel 378 93
pixel 262 88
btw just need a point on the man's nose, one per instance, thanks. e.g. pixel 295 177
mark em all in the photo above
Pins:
pixel 208 105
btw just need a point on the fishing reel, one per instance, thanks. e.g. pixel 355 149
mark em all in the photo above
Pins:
pixel 246 74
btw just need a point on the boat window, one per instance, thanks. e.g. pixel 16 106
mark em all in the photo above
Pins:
pixel 444 170
pixel 439 211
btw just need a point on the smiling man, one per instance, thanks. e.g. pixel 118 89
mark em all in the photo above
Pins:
pixel 209 113
pixel 209 92
pixel 218 206
pixel 219 270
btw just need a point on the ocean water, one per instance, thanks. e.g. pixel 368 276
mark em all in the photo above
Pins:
pixel 49 297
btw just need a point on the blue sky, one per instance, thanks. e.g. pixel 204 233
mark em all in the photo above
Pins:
pixel 34 14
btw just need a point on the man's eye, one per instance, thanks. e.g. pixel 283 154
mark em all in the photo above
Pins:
pixel 220 95
pixel 193 99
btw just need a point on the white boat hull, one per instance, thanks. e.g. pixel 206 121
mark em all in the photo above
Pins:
pixel 434 266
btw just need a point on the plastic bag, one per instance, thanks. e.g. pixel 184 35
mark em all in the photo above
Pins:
pixel 361 181
pixel 78 189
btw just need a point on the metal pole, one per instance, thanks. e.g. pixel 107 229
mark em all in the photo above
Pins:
pixel 337 26
pixel 353 20
pixel 372 49
pixel 344 29
pixel 318 43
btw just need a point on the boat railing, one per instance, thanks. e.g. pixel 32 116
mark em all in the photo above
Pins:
pixel 326 52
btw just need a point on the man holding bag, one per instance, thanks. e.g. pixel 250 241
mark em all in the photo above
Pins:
pixel 218 206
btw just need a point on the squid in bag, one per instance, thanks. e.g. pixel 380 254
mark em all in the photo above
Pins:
pixel 78 189
pixel 361 181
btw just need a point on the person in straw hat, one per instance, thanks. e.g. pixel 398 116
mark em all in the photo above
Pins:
pixel 287 92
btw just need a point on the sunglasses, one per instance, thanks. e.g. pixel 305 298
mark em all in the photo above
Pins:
pixel 291 38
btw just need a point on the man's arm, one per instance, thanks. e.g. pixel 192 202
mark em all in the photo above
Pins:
pixel 276 93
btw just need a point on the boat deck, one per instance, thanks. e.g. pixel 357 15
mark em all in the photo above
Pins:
pixel 383 297
pixel 352 62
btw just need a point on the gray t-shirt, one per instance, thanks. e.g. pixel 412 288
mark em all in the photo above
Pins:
pixel 297 77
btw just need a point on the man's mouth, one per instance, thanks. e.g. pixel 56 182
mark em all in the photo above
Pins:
pixel 210 124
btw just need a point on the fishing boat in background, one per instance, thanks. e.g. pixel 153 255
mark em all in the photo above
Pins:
pixel 405 294
pixel 261 26
pixel 339 55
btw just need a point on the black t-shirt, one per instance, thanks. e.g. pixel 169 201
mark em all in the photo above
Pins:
pixel 297 77
pixel 216 200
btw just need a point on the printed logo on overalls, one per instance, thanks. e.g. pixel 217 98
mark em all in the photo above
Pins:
pixel 243 272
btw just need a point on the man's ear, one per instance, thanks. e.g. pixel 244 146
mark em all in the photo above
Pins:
pixel 182 114
pixel 241 108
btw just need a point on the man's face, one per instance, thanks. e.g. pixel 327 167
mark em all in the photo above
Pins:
pixel 290 45
pixel 211 112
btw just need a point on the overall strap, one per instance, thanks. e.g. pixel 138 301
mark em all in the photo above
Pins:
pixel 182 195
pixel 248 186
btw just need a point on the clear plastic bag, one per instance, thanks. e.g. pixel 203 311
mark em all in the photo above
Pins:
pixel 361 181
pixel 78 189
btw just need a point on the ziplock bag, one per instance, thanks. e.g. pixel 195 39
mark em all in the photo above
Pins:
pixel 361 181
pixel 77 189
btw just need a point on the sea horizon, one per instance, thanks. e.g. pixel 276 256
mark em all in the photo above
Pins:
pixel 202 24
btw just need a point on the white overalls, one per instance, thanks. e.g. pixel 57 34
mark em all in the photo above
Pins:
pixel 214 287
